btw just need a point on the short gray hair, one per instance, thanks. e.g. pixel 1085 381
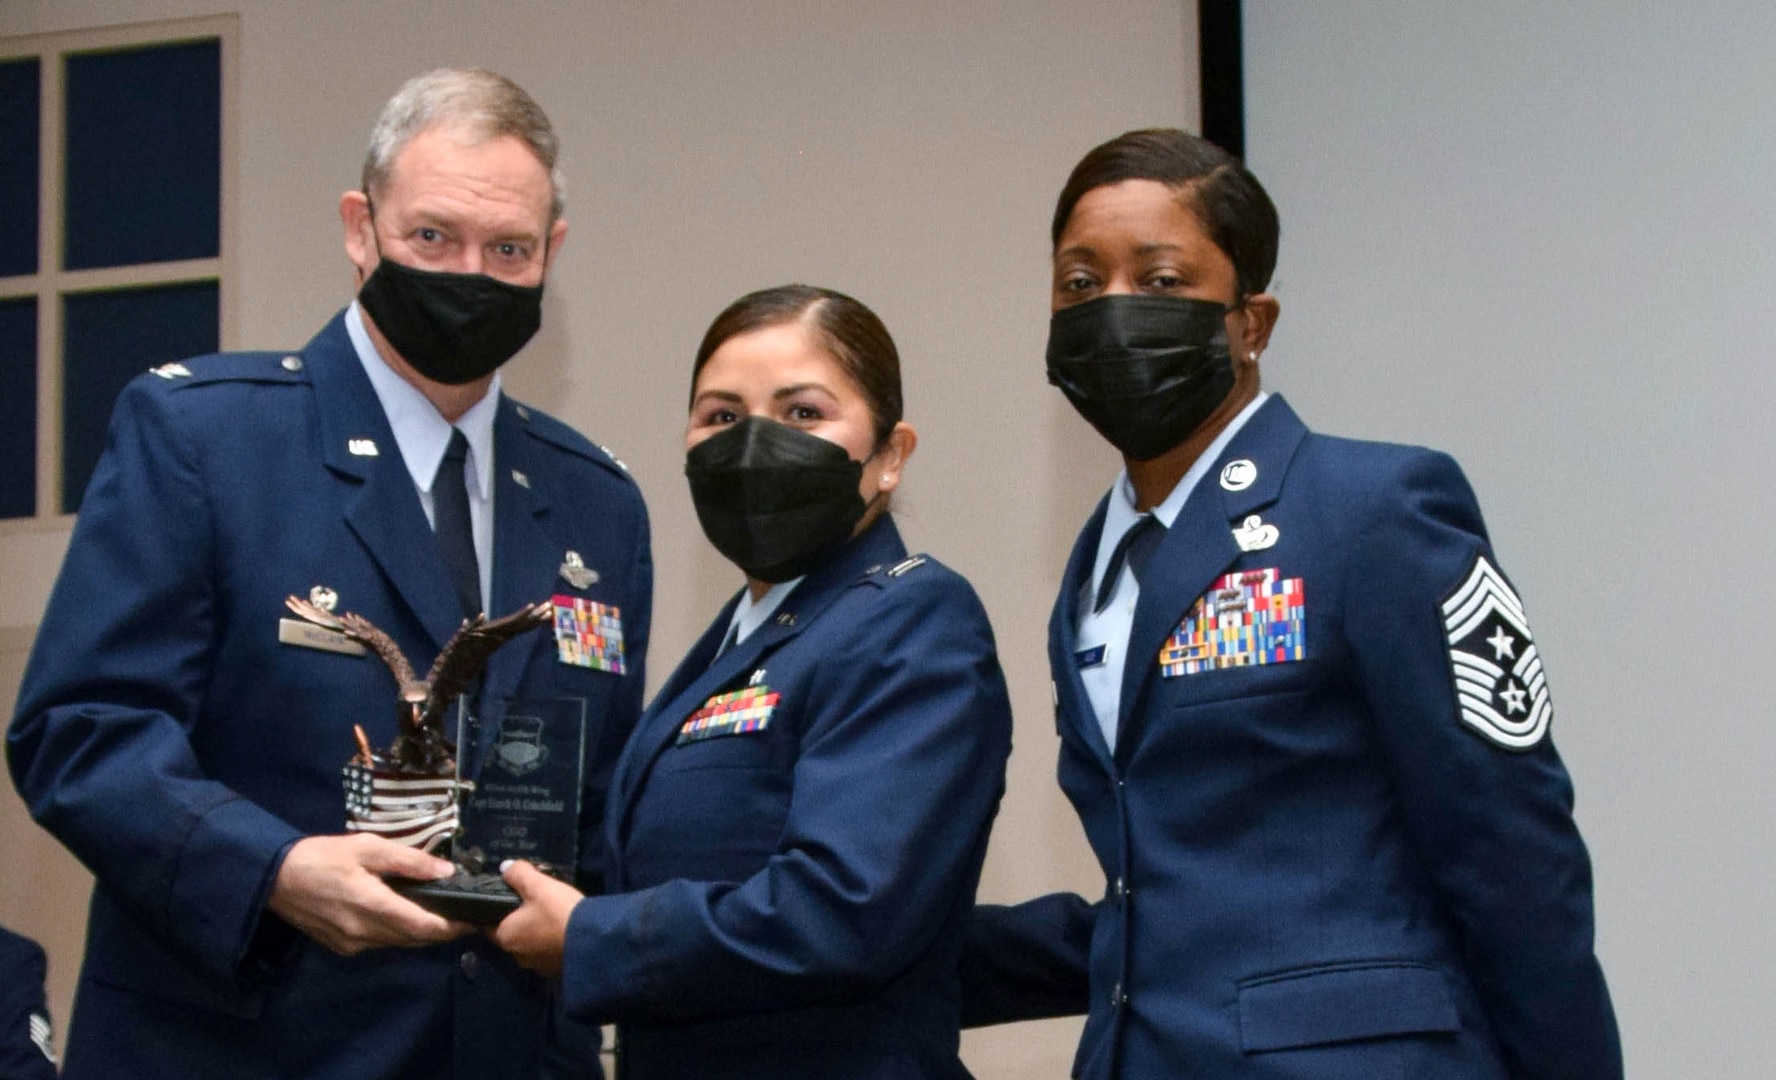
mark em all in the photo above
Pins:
pixel 489 105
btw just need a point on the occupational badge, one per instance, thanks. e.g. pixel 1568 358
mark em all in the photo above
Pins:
pixel 1248 617
pixel 1501 691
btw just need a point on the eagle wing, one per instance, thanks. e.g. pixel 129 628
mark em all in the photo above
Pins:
pixel 361 630
pixel 468 650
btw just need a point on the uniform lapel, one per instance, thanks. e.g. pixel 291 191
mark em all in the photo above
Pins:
pixel 1200 547
pixel 526 558
pixel 1069 690
pixel 384 513
pixel 658 731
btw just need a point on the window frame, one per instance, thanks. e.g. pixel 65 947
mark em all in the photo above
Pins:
pixel 50 284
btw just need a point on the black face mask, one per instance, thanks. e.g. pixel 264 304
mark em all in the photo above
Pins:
pixel 1146 371
pixel 453 328
pixel 776 501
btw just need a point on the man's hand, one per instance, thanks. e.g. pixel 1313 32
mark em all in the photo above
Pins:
pixel 331 888
pixel 536 933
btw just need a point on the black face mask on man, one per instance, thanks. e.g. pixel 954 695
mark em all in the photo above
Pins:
pixel 1146 371
pixel 453 328
pixel 776 501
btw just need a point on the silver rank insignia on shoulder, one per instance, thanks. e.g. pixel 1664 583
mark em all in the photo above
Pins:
pixel 324 598
pixel 575 572
pixel 172 371
pixel 1239 475
pixel 911 563
pixel 362 447
pixel 1500 689
pixel 1254 535
pixel 613 457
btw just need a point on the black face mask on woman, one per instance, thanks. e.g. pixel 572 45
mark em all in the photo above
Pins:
pixel 776 501
pixel 453 328
pixel 1146 371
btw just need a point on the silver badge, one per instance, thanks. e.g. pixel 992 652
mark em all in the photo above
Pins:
pixel 520 479
pixel 786 618
pixel 758 678
pixel 1239 475
pixel 575 572
pixel 362 447
pixel 172 371
pixel 1254 535
pixel 324 598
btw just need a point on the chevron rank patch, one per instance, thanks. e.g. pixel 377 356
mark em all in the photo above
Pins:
pixel 1247 617
pixel 1500 689
pixel 588 634
pixel 734 713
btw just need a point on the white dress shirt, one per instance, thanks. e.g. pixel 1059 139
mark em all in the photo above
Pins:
pixel 751 614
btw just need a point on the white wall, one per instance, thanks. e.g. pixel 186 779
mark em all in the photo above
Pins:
pixel 908 153
pixel 1542 237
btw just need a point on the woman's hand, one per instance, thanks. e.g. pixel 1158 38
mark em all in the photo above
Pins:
pixel 536 933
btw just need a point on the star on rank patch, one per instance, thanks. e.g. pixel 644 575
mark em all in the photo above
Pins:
pixel 1500 689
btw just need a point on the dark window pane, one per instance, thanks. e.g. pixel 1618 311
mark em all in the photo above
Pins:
pixel 20 125
pixel 18 407
pixel 108 338
pixel 144 155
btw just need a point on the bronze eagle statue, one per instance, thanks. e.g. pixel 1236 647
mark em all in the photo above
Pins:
pixel 421 745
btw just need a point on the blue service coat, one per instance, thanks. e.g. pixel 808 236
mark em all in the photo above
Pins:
pixel 1323 867
pixel 793 897
pixel 178 749
pixel 25 1046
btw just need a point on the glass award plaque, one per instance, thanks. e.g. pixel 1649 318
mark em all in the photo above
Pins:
pixel 518 798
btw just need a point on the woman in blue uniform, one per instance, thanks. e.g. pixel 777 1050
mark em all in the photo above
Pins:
pixel 797 825
pixel 1302 715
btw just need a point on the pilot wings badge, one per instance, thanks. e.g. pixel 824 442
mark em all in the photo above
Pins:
pixel 1500 689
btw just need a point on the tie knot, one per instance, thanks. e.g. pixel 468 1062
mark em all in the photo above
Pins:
pixel 457 449
pixel 1133 550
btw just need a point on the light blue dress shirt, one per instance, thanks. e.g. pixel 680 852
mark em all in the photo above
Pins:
pixel 1102 637
pixel 751 614
pixel 422 435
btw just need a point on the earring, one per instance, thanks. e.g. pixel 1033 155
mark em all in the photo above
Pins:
pixel 1252 356
pixel 884 480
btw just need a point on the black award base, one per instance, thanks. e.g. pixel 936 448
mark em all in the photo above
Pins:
pixel 476 899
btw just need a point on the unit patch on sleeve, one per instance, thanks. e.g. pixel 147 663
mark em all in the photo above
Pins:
pixel 588 634
pixel 1500 689
pixel 734 713
pixel 1247 617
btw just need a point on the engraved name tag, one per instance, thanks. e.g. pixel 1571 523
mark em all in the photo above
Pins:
pixel 310 636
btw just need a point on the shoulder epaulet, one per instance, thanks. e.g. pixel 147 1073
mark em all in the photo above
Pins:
pixel 886 573
pixel 562 437
pixel 265 367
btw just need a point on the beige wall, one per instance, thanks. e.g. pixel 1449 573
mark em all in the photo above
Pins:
pixel 908 153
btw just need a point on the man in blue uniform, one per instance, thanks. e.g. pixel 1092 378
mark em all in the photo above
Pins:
pixel 186 745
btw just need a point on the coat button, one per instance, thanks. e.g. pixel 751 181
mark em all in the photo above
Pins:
pixel 1118 997
pixel 470 964
pixel 1119 890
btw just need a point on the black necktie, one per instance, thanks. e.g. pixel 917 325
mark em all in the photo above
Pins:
pixel 456 534
pixel 1135 548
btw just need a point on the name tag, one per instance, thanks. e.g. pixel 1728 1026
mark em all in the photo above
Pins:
pixel 588 634
pixel 309 636
pixel 1089 658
